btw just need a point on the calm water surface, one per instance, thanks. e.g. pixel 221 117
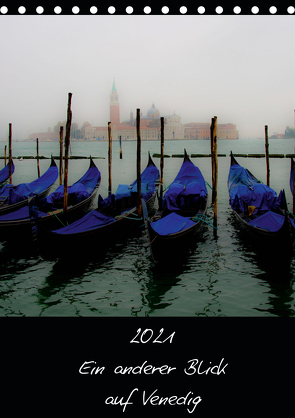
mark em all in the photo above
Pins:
pixel 218 276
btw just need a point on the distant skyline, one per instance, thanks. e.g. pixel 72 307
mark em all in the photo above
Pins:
pixel 239 68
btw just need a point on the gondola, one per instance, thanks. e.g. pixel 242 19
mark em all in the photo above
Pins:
pixel 181 213
pixel 260 213
pixel 48 211
pixel 113 216
pixel 4 174
pixel 15 197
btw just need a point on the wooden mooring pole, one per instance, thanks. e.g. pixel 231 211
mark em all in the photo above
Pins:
pixel 138 163
pixel 10 153
pixel 67 146
pixel 38 164
pixel 267 155
pixel 162 163
pixel 120 138
pixel 5 153
pixel 214 163
pixel 61 139
pixel 110 156
pixel 294 178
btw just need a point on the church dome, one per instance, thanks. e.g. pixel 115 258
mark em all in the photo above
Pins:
pixel 153 112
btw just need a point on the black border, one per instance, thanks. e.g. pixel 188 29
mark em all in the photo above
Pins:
pixel 41 359
pixel 156 8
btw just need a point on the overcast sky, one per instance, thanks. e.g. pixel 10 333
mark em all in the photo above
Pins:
pixel 238 68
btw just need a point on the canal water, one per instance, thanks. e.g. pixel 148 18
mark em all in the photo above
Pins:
pixel 218 276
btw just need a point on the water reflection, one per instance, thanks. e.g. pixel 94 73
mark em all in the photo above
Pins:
pixel 275 266
pixel 203 254
pixel 275 276
pixel 216 276
pixel 15 260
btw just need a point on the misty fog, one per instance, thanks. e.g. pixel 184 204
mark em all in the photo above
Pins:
pixel 239 68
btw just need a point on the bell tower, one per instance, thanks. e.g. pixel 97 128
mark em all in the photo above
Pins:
pixel 131 118
pixel 114 106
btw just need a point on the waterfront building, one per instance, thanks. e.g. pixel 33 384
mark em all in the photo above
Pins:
pixel 150 126
pixel 202 131
pixel 44 136
pixel 173 129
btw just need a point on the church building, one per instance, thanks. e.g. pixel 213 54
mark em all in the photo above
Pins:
pixel 150 125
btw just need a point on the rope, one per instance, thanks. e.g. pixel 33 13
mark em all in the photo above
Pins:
pixel 166 187
pixel 126 215
pixel 105 188
pixel 134 219
pixel 209 185
pixel 206 220
pixel 52 213
pixel 154 239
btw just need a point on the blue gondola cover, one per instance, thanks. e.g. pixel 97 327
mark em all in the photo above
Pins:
pixel 244 190
pixel 22 191
pixel 95 219
pixel 171 224
pixel 148 184
pixel 188 188
pixel 270 221
pixel 78 192
pixel 19 214
pixel 92 220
